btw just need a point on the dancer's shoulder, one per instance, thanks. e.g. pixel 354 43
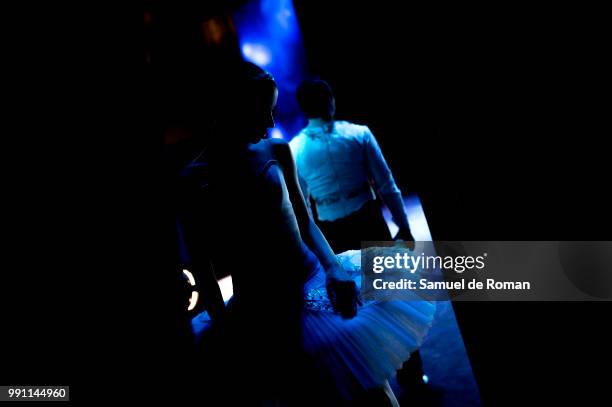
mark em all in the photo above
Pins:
pixel 348 129
pixel 280 149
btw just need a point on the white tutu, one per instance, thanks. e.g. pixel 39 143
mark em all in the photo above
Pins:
pixel 362 352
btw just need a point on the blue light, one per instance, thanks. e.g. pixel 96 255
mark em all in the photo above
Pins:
pixel 276 133
pixel 416 219
pixel 256 53
pixel 270 37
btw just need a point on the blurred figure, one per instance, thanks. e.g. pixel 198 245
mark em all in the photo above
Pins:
pixel 338 164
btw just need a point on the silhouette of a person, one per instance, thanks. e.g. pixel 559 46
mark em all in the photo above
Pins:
pixel 294 303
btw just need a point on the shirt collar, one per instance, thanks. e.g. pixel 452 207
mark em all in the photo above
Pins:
pixel 319 127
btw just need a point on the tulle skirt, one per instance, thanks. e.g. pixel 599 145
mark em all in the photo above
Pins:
pixel 361 353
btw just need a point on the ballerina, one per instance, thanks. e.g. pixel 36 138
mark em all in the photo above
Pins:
pixel 296 325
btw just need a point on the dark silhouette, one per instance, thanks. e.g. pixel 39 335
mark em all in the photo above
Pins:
pixel 285 333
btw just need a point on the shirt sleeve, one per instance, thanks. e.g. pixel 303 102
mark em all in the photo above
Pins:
pixel 380 174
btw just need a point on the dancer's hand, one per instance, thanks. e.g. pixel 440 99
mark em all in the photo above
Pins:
pixel 343 294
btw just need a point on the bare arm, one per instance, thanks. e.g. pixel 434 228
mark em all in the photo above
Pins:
pixel 311 234
pixel 305 194
pixel 342 290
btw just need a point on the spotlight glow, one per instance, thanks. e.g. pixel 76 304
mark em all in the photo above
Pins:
pixel 226 287
pixel 256 53
pixel 416 219
pixel 276 133
pixel 269 36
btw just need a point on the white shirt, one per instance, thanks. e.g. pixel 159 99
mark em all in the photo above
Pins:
pixel 338 163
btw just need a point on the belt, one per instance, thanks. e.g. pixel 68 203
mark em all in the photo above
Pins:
pixel 328 200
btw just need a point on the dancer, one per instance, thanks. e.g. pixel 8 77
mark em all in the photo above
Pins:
pixel 339 166
pixel 295 326
pixel 338 163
